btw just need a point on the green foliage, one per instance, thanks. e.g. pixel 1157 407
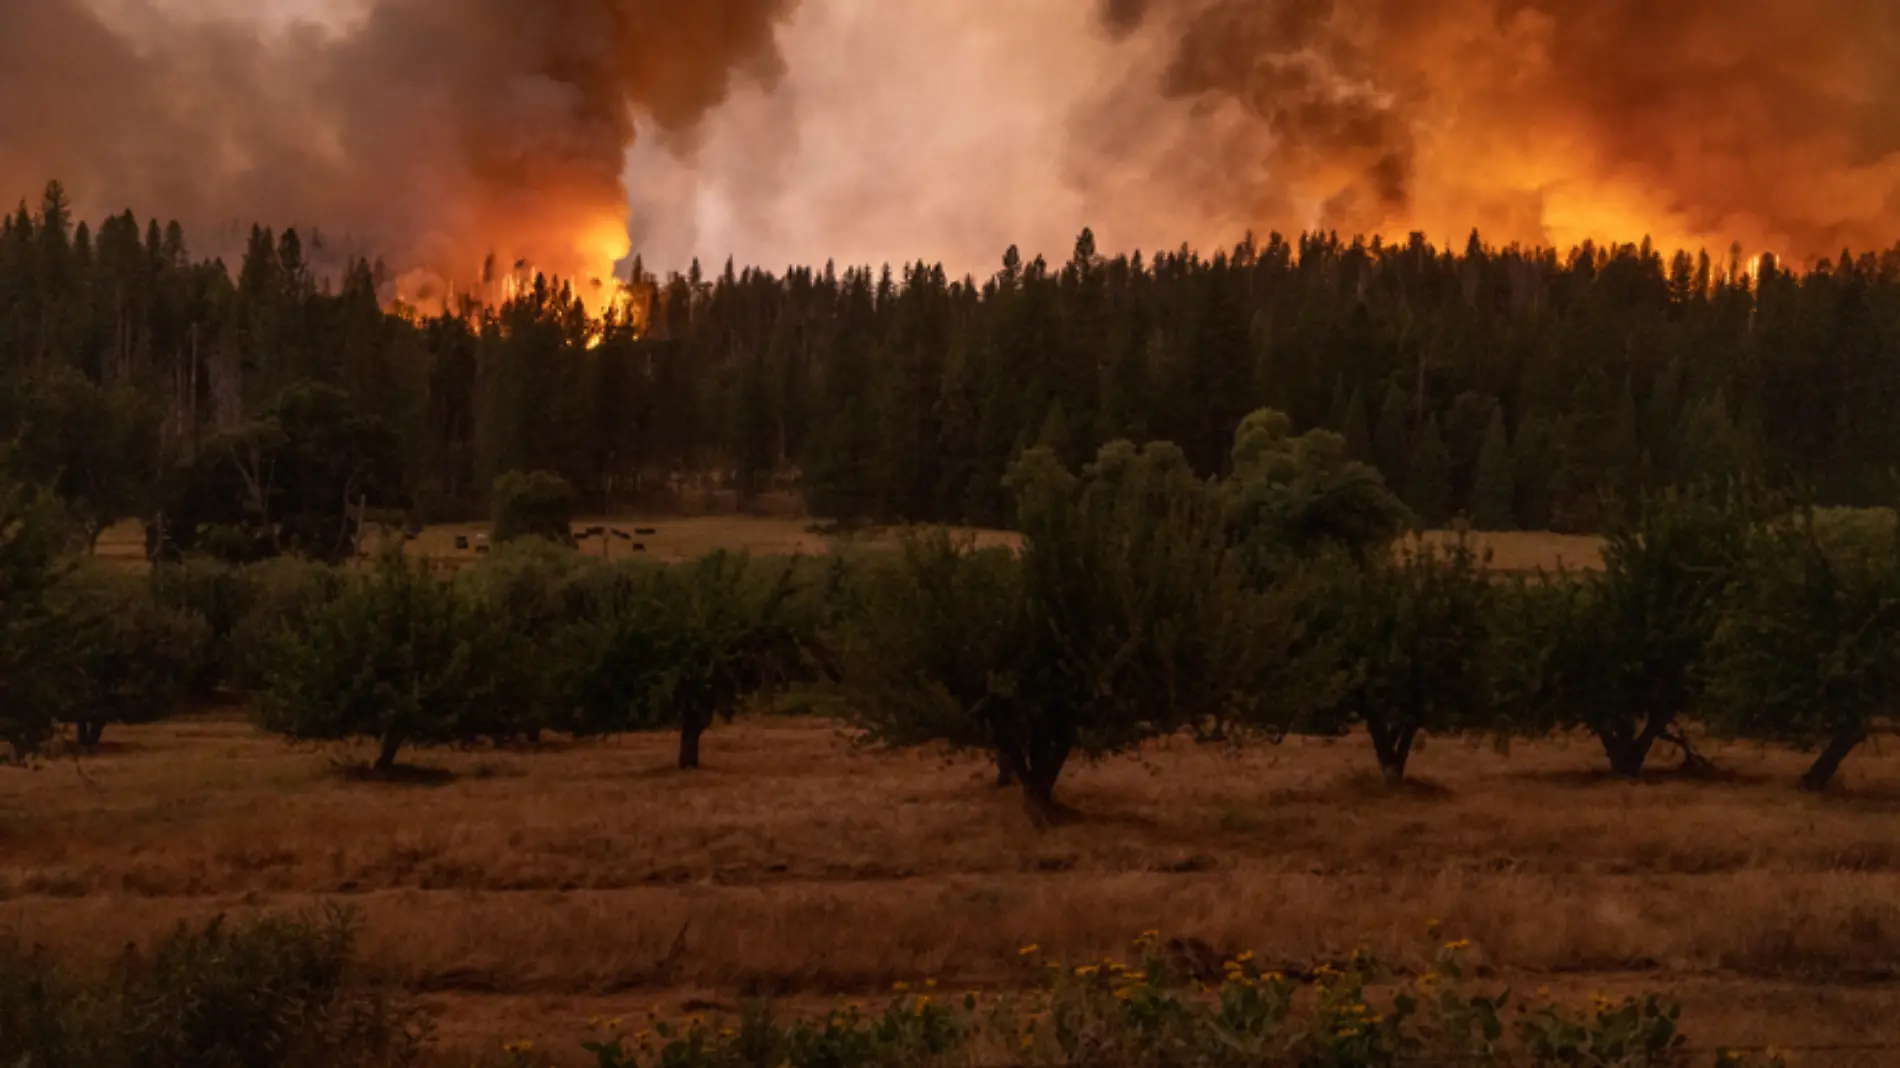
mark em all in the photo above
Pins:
pixel 1808 651
pixel 1494 481
pixel 399 655
pixel 134 656
pixel 681 646
pixel 1158 1013
pixel 1138 616
pixel 1412 640
pixel 1428 484
pixel 274 992
pixel 1290 496
pixel 1621 650
pixel 297 480
pixel 36 675
pixel 243 608
pixel 533 504
pixel 933 652
pixel 95 447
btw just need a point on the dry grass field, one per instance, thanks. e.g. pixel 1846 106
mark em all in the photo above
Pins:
pixel 522 892
pixel 673 539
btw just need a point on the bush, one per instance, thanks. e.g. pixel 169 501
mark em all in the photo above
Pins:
pixel 36 672
pixel 1181 1006
pixel 398 655
pixel 930 652
pixel 1808 651
pixel 1291 496
pixel 1624 653
pixel 533 504
pixel 1125 617
pixel 135 656
pixel 680 646
pixel 1411 638
pixel 266 993
pixel 537 591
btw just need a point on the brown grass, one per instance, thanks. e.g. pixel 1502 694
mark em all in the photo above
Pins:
pixel 684 538
pixel 526 891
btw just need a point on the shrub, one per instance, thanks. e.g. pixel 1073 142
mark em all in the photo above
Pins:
pixel 1126 616
pixel 1291 496
pixel 223 596
pixel 681 646
pixel 398 655
pixel 1411 639
pixel 243 608
pixel 1808 651
pixel 932 650
pixel 274 992
pixel 135 656
pixel 36 675
pixel 533 504
pixel 536 591
pixel 1155 1013
pixel 1623 658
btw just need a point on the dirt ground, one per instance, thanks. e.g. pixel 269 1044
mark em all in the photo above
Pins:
pixel 523 892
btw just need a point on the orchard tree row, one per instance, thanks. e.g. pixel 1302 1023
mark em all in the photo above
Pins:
pixel 1519 387
pixel 1144 601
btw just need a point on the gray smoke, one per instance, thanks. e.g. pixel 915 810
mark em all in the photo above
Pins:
pixel 431 131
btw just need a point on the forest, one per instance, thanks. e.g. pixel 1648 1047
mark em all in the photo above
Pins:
pixel 1517 388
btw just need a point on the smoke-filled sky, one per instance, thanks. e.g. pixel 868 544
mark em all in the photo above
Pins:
pixel 782 131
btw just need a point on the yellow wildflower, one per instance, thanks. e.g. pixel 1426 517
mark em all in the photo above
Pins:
pixel 727 1032
pixel 900 987
pixel 1028 950
pixel 1245 957
pixel 1087 971
pixel 1462 943
pixel 930 984
pixel 517 1047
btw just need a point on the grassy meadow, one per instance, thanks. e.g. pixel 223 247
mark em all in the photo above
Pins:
pixel 524 892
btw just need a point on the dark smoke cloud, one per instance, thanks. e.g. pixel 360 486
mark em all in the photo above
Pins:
pixel 431 131
pixel 1770 122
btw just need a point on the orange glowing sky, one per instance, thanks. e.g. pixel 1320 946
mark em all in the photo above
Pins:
pixel 873 131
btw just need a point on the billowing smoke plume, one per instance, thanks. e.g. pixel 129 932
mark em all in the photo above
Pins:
pixel 951 129
pixel 1769 122
pixel 431 132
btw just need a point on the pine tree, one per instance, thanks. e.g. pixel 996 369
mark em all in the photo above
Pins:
pixel 1356 428
pixel 1494 480
pixel 1428 490
pixel 1391 451
pixel 1711 450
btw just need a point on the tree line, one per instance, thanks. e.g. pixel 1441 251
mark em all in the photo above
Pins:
pixel 270 406
pixel 1145 600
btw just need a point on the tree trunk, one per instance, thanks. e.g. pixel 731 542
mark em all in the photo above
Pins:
pixel 1038 770
pixel 386 756
pixel 1393 747
pixel 1006 765
pixel 689 744
pixel 1627 753
pixel 1821 772
pixel 89 732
